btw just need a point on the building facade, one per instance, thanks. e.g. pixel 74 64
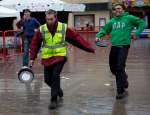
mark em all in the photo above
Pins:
pixel 96 14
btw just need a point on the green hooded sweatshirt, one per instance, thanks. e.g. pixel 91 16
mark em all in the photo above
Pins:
pixel 120 29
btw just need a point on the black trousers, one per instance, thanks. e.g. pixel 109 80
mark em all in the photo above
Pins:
pixel 117 63
pixel 52 78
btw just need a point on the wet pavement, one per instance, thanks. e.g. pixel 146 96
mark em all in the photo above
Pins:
pixel 89 87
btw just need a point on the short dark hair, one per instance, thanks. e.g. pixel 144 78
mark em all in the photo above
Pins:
pixel 50 11
pixel 26 10
pixel 119 4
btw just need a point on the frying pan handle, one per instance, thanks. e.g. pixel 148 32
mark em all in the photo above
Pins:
pixel 30 65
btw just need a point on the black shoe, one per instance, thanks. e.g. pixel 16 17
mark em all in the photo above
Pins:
pixel 126 85
pixel 53 105
pixel 121 95
pixel 61 94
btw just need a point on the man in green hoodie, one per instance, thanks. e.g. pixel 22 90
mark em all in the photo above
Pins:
pixel 120 28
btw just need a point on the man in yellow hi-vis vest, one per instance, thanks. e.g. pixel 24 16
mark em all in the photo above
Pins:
pixel 53 37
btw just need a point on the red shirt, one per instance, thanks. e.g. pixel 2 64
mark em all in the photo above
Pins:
pixel 71 36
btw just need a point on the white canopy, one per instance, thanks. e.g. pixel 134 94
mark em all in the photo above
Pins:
pixel 42 5
pixel 6 12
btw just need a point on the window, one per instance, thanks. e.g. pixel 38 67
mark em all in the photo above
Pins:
pixel 84 22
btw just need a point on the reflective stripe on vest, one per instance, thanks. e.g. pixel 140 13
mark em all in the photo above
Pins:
pixel 54 47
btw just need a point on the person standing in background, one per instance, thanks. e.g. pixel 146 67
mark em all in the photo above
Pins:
pixel 29 26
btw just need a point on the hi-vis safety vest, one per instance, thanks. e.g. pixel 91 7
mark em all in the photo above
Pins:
pixel 56 45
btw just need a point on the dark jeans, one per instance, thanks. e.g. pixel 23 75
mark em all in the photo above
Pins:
pixel 52 78
pixel 117 63
pixel 26 45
